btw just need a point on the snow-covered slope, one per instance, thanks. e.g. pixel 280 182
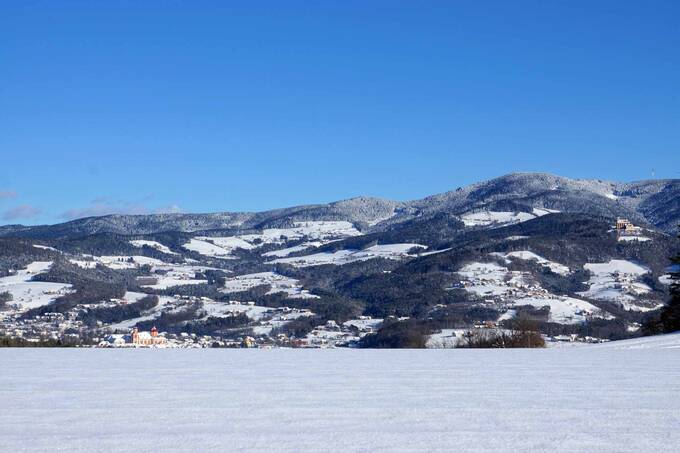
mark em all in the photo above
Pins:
pixel 315 232
pixel 498 285
pixel 656 342
pixel 387 251
pixel 618 281
pixel 531 256
pixel 153 244
pixel 27 294
pixel 278 284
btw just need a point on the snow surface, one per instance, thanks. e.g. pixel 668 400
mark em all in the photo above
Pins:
pixel 666 279
pixel 27 294
pixel 486 218
pixel 316 231
pixel 516 238
pixel 116 262
pixel 539 212
pixel 446 338
pixel 501 218
pixel 526 255
pixel 278 283
pixel 612 398
pixel 563 309
pixel 153 244
pixel 368 323
pixel 177 275
pixel 617 281
pixel 221 309
pixel 208 248
pixel 633 239
pixel 388 251
pixel 435 252
pixel 209 308
pixel 491 280
pixel 287 251
pixel 616 266
pixel 169 282
pixel 45 247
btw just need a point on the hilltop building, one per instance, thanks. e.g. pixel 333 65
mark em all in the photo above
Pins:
pixel 625 227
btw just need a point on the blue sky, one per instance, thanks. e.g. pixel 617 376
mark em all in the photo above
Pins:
pixel 236 106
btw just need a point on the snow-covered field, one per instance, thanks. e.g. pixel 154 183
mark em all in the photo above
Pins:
pixel 319 232
pixel 499 218
pixel 612 398
pixel 278 283
pixel 27 294
pixel 634 239
pixel 563 309
pixel 387 251
pixel 618 281
pixel 526 255
pixel 514 288
pixel 209 247
pixel 116 262
pixel 288 250
pixel 153 244
pixel 490 279
pixel 177 275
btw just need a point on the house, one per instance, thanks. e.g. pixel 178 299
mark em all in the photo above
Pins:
pixel 115 340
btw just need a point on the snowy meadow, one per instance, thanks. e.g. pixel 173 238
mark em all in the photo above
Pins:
pixel 615 397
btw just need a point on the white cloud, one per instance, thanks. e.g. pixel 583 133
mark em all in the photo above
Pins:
pixel 6 194
pixel 172 209
pixel 24 211
pixel 101 207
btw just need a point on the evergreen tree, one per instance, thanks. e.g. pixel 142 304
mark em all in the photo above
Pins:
pixel 669 319
pixel 670 315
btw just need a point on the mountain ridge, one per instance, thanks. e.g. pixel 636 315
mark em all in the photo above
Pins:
pixel 654 203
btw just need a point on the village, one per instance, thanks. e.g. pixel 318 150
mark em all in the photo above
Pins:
pixel 496 286
pixel 261 330
pixel 329 335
